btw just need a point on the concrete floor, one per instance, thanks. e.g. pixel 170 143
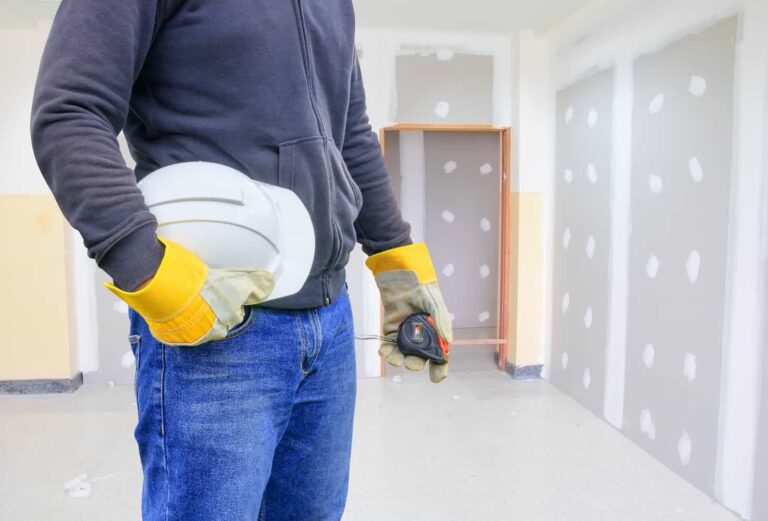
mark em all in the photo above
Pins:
pixel 480 446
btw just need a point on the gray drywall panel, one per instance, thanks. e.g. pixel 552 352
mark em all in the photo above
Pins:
pixel 393 162
pixel 461 225
pixel 581 279
pixel 115 358
pixel 454 90
pixel 681 163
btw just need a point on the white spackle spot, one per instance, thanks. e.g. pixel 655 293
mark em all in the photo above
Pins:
pixel 652 267
pixel 649 355
pixel 689 366
pixel 120 307
pixel 450 167
pixel 591 173
pixel 485 271
pixel 485 224
pixel 696 170
pixel 568 176
pixel 590 247
pixel 397 379
pixel 685 448
pixel 647 425
pixel 566 238
pixel 444 55
pixel 486 169
pixel 693 266
pixel 484 316
pixel 592 118
pixel 127 359
pixel 588 317
pixel 111 384
pixel 448 270
pixel 656 184
pixel 456 396
pixel 697 86
pixel 587 380
pixel 448 216
pixel 452 316
pixel 564 361
pixel 568 115
pixel 442 109
pixel 565 303
pixel 78 487
pixel 657 103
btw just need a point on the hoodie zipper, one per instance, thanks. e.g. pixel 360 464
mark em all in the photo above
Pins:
pixel 309 74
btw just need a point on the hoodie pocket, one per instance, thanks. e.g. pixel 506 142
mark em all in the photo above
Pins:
pixel 315 171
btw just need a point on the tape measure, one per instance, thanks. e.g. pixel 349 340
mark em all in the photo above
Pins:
pixel 418 336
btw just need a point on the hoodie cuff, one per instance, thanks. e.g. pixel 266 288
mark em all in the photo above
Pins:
pixel 135 258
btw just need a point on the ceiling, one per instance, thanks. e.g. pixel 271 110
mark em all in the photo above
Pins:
pixel 474 15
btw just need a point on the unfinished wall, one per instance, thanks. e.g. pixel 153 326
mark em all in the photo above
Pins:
pixel 441 87
pixel 687 229
pixel 582 225
pixel 681 164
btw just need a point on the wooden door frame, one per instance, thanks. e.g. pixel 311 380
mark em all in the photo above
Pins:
pixel 503 294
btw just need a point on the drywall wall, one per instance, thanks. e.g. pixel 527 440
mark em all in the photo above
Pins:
pixel 681 163
pixel 444 87
pixel 581 283
pixel 462 226
pixel 618 35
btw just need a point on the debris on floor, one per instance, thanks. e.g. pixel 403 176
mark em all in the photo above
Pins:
pixel 78 487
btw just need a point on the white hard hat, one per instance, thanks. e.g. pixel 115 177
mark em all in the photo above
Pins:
pixel 232 221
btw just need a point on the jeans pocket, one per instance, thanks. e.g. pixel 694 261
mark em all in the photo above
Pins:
pixel 243 326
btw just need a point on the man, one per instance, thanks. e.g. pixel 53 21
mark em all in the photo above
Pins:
pixel 235 419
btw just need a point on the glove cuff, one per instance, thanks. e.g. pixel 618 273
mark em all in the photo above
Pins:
pixel 413 257
pixel 178 280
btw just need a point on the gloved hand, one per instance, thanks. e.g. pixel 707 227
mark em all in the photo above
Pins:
pixel 408 284
pixel 188 303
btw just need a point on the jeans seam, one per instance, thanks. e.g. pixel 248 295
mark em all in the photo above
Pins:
pixel 318 340
pixel 163 436
pixel 300 328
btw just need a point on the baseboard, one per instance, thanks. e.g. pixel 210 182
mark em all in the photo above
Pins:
pixel 524 372
pixel 43 386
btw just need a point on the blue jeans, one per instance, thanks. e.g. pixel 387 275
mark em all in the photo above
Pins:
pixel 254 426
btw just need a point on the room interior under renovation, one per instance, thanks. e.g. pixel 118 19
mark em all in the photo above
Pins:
pixel 572 194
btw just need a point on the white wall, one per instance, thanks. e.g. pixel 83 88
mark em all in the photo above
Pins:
pixel 614 34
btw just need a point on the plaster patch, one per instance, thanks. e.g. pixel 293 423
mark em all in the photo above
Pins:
pixel 647 425
pixel 565 303
pixel 697 86
pixel 484 316
pixel 592 117
pixel 689 366
pixel 485 271
pixel 693 266
pixel 448 270
pixel 590 250
pixel 127 359
pixel 442 109
pixel 450 167
pixel 649 355
pixel 566 238
pixel 588 317
pixel 587 379
pixel 568 176
pixel 486 169
pixel 696 170
pixel 448 216
pixel 568 115
pixel 685 448
pixel 591 173
pixel 485 224
pixel 657 103
pixel 652 267
pixel 656 184
pixel 564 361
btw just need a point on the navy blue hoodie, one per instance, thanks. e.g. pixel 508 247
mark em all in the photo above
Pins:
pixel 271 88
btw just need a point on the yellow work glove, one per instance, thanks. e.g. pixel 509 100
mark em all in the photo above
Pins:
pixel 188 303
pixel 408 285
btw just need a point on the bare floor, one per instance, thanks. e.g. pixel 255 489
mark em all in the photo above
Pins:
pixel 479 446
